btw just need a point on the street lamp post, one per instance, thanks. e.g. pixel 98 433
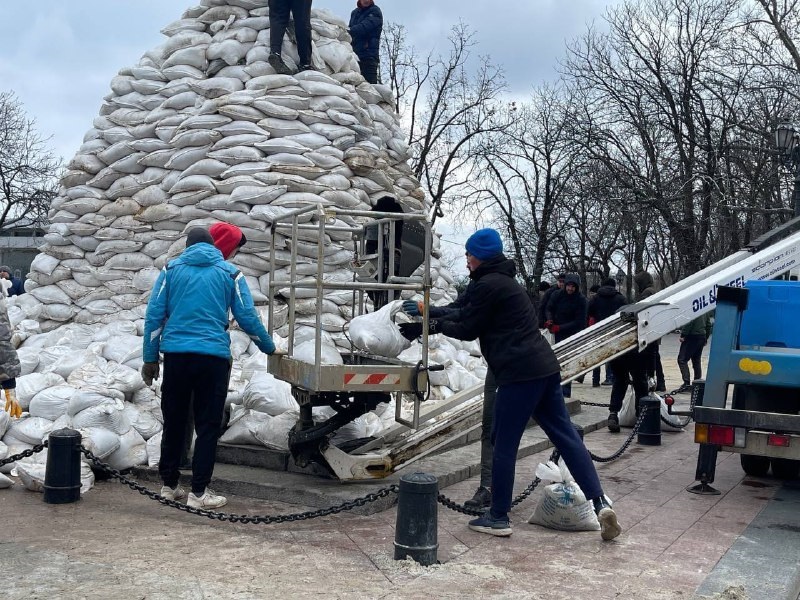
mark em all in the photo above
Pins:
pixel 787 139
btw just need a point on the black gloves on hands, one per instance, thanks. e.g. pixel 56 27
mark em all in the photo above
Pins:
pixel 412 331
pixel 150 371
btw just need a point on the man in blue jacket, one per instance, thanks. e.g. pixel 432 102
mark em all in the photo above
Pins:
pixel 526 370
pixel 366 25
pixel 187 320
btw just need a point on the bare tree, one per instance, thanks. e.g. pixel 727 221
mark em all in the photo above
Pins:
pixel 448 105
pixel 28 170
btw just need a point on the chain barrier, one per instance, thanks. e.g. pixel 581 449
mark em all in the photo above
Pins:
pixel 24 454
pixel 604 459
pixel 600 404
pixel 453 505
pixel 233 518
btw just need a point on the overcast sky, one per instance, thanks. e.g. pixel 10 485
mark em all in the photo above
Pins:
pixel 59 56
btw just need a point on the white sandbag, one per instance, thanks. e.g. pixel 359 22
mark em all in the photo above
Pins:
pixel 69 362
pixel 122 348
pixel 109 415
pixel 5 482
pixel 153 446
pixel 242 424
pixel 142 421
pixel 31 384
pixel 99 441
pixel 28 360
pixel 51 402
pixel 86 398
pixel 5 422
pixel 132 451
pixel 306 352
pixel 274 431
pixel 564 505
pixel 32 475
pixel 31 430
pixel 264 393
pixel 377 332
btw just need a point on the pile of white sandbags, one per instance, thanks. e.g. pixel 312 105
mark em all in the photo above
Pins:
pixel 203 130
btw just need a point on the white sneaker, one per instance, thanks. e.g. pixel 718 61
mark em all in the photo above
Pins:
pixel 178 493
pixel 209 499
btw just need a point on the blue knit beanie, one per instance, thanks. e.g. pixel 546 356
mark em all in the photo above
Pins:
pixel 484 244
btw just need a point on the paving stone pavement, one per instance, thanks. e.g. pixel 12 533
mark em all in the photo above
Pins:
pixel 117 543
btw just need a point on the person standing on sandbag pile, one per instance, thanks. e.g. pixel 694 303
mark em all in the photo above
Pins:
pixel 187 320
pixel 10 367
pixel 278 21
pixel 366 25
pixel 526 370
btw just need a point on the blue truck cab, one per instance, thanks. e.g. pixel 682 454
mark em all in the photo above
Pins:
pixel 749 402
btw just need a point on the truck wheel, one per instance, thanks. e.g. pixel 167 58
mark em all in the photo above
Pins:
pixel 756 466
pixel 785 468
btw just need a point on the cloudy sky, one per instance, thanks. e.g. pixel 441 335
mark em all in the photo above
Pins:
pixel 59 57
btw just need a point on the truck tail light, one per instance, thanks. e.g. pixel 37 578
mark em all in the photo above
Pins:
pixel 721 435
pixel 784 441
pixel 701 433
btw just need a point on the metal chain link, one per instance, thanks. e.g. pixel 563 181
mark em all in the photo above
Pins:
pixel 452 505
pixel 24 454
pixel 233 518
pixel 600 404
pixel 604 459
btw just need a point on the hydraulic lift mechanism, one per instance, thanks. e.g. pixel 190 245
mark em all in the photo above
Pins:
pixel 351 389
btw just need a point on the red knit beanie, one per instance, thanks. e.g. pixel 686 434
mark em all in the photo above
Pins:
pixel 226 237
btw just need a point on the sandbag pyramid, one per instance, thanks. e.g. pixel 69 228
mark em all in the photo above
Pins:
pixel 203 130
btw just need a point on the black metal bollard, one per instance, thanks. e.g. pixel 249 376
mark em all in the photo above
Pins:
pixel 650 429
pixel 62 479
pixel 416 531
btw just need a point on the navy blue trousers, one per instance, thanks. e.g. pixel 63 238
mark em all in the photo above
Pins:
pixel 541 399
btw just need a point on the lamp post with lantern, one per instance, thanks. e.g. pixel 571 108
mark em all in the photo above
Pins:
pixel 787 140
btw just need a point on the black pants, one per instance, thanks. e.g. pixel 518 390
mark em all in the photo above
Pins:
pixel 279 19
pixel 691 349
pixel 631 366
pixel 596 374
pixel 487 424
pixel 206 377
pixel 369 68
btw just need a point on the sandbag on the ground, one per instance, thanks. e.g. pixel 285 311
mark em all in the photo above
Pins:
pixel 564 505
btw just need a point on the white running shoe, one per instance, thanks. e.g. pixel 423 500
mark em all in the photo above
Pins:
pixel 177 493
pixel 609 526
pixel 207 500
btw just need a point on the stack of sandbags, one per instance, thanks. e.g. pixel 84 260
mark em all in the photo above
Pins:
pixel 203 130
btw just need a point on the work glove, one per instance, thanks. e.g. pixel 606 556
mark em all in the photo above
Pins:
pixel 412 331
pixel 150 371
pixel 554 328
pixel 592 321
pixel 548 324
pixel 412 308
pixel 12 406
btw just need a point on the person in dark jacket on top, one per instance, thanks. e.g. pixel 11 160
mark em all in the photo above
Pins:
pixel 526 370
pixel 366 25
pixel 605 303
pixel 566 314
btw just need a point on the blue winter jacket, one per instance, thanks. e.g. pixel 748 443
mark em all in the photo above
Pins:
pixel 366 25
pixel 189 307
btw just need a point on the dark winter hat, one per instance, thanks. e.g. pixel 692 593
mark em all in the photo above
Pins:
pixel 484 244
pixel 5 269
pixel 572 279
pixel 227 238
pixel 544 286
pixel 197 235
pixel 610 282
